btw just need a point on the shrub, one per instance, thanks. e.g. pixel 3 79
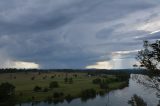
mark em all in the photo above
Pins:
pixel 70 80
pixel 68 98
pixel 20 94
pixel 65 79
pixel 45 89
pixel 122 77
pixel 102 93
pixel 75 75
pixel 104 86
pixel 88 93
pixel 110 80
pixel 44 77
pixel 138 101
pixel 52 77
pixel 37 89
pixel 15 77
pixel 58 94
pixel 7 91
pixel 33 78
pixel 53 84
pixel 96 81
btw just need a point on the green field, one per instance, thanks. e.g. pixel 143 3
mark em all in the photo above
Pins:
pixel 25 85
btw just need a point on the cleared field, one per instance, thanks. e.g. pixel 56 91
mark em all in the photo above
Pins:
pixel 25 83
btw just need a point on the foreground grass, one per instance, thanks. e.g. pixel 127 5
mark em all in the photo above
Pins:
pixel 24 84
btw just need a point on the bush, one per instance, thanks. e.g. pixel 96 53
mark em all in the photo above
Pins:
pixel 58 94
pixel 104 86
pixel 70 80
pixel 53 84
pixel 68 98
pixel 96 81
pixel 52 77
pixel 110 80
pixel 138 101
pixel 88 93
pixel 44 77
pixel 32 78
pixel 45 89
pixel 15 77
pixel 7 91
pixel 20 94
pixel 75 75
pixel 65 79
pixel 102 93
pixel 122 77
pixel 37 89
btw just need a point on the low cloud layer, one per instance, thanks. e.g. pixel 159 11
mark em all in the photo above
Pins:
pixel 76 33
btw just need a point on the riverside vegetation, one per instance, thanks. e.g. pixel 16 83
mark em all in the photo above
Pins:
pixel 57 86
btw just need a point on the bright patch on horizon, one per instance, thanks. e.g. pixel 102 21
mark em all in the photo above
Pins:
pixel 26 65
pixel 100 65
pixel 20 65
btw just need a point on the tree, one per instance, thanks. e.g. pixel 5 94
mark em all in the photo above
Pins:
pixel 70 80
pixel 53 84
pixel 32 78
pixel 7 91
pixel 68 98
pixel 87 94
pixel 137 101
pixel 96 81
pixel 149 57
pixel 58 94
pixel 37 89
pixel 65 79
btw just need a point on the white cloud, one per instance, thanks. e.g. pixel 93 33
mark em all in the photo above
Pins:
pixel 20 65
pixel 100 65
pixel 124 52
pixel 26 65
pixel 152 27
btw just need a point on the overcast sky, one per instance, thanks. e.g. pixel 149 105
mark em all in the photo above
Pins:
pixel 75 33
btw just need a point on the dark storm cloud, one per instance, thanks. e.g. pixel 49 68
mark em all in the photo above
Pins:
pixel 69 33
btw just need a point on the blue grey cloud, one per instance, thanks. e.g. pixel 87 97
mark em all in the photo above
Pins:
pixel 69 33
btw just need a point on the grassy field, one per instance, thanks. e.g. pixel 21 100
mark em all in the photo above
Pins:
pixel 25 84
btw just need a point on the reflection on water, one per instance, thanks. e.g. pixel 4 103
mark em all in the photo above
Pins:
pixel 141 85
pixel 148 82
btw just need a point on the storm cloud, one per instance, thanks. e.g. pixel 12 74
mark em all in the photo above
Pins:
pixel 75 33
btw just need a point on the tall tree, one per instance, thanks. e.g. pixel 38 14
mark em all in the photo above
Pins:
pixel 149 57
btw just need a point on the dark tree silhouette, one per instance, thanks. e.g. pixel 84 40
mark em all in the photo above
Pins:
pixel 37 89
pixel 137 101
pixel 149 57
pixel 7 91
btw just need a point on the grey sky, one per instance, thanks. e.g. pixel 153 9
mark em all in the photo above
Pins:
pixel 75 33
